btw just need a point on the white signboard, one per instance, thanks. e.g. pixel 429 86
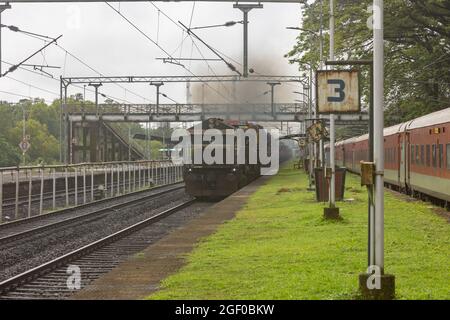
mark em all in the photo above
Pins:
pixel 24 146
pixel 338 91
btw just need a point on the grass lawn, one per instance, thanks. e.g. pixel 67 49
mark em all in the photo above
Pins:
pixel 279 247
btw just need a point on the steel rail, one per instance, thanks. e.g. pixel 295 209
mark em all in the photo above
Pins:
pixel 90 215
pixel 30 275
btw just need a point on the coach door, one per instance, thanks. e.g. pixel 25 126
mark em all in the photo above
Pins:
pixel 408 155
pixel 402 160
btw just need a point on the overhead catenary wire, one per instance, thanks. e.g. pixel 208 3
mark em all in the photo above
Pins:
pixel 14 67
pixel 19 95
pixel 162 49
pixel 31 85
pixel 73 85
pixel 67 52
pixel 188 34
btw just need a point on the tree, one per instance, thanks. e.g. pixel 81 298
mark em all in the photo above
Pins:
pixel 9 156
pixel 417 34
pixel 44 146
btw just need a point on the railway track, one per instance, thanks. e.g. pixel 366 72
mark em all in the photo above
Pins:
pixel 57 279
pixel 29 205
pixel 29 227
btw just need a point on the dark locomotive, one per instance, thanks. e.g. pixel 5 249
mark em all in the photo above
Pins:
pixel 215 181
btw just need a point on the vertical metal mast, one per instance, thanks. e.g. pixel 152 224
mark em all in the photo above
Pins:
pixel 332 127
pixel 245 8
pixel 378 60
pixel 3 7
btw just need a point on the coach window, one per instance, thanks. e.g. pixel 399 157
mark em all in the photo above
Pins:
pixel 422 155
pixel 417 155
pixel 448 156
pixel 412 154
pixel 441 156
pixel 428 155
pixel 433 155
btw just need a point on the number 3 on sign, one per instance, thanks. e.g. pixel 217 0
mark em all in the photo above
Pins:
pixel 338 91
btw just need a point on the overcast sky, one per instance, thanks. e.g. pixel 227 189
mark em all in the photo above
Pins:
pixel 106 42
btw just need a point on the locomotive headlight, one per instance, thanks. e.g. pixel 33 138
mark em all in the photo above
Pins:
pixel 234 169
pixel 189 170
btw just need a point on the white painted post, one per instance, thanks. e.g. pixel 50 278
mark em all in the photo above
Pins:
pixel 378 114
pixel 16 210
pixel 66 181
pixel 41 200
pixel 54 189
pixel 76 186
pixel 30 191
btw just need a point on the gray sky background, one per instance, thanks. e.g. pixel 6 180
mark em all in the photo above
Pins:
pixel 105 41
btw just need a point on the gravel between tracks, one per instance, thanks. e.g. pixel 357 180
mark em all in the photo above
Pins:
pixel 30 252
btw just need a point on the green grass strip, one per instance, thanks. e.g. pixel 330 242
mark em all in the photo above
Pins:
pixel 279 247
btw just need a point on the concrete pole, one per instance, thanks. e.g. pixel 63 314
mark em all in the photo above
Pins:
pixel 332 127
pixel 378 60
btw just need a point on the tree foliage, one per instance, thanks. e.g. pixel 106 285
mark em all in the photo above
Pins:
pixel 417 49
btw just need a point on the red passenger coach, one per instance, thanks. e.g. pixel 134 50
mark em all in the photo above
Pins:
pixel 417 155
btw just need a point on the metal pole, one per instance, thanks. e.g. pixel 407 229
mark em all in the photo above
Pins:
pixel 41 198
pixel 65 125
pixel 129 177
pixel 76 186
pixel 112 181
pixel 134 177
pixel 3 7
pixel 118 180
pixel 332 126
pixel 30 191
pixel 84 185
pixel 61 143
pixel 140 177
pixel 16 211
pixel 71 141
pixel 23 133
pixel 124 178
pixel 92 184
pixel 370 189
pixel 311 144
pixel 54 189
pixel 66 178
pixel 378 60
pixel 245 62
pixel 245 8
pixel 148 173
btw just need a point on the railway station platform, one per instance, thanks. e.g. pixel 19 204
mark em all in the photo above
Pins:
pixel 270 241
